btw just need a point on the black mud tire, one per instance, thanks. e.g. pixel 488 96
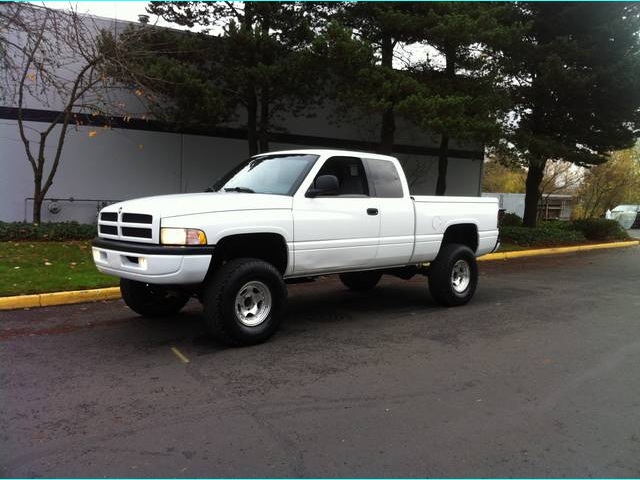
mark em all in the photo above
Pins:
pixel 219 301
pixel 444 284
pixel 360 281
pixel 152 301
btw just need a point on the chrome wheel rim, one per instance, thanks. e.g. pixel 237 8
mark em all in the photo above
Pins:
pixel 460 276
pixel 253 303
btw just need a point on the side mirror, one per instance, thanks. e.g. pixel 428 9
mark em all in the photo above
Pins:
pixel 325 185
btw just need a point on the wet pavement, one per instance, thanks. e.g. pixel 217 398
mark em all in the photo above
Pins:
pixel 538 376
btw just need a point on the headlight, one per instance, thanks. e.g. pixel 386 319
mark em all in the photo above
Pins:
pixel 182 236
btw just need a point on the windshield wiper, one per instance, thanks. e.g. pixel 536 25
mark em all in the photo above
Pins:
pixel 239 189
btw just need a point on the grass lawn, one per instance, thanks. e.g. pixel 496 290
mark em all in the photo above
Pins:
pixel 39 267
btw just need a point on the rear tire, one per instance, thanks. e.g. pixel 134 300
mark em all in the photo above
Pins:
pixel 244 301
pixel 360 281
pixel 453 275
pixel 151 300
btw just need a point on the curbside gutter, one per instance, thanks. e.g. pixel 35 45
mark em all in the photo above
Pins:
pixel 113 293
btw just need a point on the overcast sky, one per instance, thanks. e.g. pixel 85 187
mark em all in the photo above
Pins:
pixel 122 10
pixel 129 10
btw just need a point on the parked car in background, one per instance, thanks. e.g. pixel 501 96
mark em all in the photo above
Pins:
pixel 627 215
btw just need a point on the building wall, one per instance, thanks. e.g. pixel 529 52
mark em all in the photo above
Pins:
pixel 119 164
pixel 139 159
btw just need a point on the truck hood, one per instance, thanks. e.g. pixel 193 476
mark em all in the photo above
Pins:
pixel 165 206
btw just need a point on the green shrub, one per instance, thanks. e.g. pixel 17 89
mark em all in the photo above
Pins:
pixel 600 229
pixel 556 224
pixel 547 234
pixel 511 220
pixel 46 231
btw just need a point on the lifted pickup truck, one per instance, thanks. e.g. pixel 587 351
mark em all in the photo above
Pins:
pixel 286 217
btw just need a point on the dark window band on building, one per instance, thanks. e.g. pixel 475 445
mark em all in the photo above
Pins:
pixel 39 115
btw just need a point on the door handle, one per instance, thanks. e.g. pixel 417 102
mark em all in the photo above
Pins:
pixel 372 211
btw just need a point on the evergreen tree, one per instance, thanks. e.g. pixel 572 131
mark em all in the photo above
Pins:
pixel 178 86
pixel 464 96
pixel 361 39
pixel 254 55
pixel 577 75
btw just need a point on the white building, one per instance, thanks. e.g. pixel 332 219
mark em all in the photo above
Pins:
pixel 551 207
pixel 139 158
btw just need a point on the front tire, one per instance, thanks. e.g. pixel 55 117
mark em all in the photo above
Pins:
pixel 150 300
pixel 243 302
pixel 360 281
pixel 453 275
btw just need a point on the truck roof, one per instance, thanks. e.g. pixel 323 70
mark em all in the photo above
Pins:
pixel 330 152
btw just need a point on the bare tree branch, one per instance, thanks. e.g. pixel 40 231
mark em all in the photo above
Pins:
pixel 53 59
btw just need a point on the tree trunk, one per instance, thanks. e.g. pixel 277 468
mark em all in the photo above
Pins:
pixel 388 128
pixel 246 25
pixel 252 121
pixel 443 163
pixel 264 121
pixel 532 195
pixel 443 158
pixel 387 133
pixel 38 198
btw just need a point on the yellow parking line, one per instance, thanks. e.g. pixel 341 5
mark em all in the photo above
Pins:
pixel 179 354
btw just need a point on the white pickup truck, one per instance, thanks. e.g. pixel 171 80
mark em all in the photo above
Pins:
pixel 286 217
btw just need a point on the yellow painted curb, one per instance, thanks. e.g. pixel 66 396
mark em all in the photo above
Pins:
pixel 23 301
pixel 555 250
pixel 112 293
pixel 59 298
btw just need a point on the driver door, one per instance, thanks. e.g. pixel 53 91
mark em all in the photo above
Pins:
pixel 339 231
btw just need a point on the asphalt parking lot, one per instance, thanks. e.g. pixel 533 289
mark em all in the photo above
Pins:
pixel 538 376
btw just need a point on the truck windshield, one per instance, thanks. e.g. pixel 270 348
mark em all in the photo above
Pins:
pixel 275 174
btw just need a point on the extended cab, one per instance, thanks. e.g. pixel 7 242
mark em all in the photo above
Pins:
pixel 285 217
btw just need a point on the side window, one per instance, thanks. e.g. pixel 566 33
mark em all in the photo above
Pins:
pixel 385 178
pixel 352 179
